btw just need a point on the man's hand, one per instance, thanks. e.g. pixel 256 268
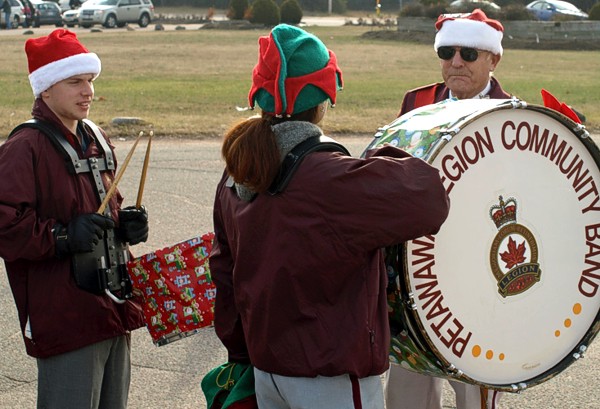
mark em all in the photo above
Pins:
pixel 81 234
pixel 133 224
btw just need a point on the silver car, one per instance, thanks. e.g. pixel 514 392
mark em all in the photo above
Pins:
pixel 115 13
pixel 547 10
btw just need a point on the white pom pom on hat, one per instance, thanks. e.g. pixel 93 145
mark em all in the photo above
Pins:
pixel 474 30
pixel 56 57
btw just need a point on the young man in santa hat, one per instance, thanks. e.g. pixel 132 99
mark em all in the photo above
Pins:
pixel 52 182
pixel 469 47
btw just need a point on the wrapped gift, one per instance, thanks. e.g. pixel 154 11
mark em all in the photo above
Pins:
pixel 177 288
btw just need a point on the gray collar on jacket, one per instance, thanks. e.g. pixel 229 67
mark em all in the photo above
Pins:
pixel 288 134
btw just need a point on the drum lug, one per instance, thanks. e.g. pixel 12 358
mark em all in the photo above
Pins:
pixel 380 131
pixel 580 353
pixel 454 371
pixel 449 134
pixel 517 103
pixel 581 131
pixel 410 302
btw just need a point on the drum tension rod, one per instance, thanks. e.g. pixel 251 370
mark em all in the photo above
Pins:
pixel 517 103
pixel 410 302
pixel 520 387
pixel 581 131
pixel 581 352
pixel 452 370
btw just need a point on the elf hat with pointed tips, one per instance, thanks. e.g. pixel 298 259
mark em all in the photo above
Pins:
pixel 295 72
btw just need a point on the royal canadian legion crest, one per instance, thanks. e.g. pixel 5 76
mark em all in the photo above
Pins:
pixel 514 251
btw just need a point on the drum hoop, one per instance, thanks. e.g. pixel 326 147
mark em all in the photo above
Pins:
pixel 422 337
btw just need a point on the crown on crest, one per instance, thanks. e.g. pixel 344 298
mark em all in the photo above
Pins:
pixel 505 212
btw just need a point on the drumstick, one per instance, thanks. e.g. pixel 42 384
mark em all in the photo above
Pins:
pixel 122 168
pixel 138 203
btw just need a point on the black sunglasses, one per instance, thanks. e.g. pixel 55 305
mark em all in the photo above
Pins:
pixel 466 53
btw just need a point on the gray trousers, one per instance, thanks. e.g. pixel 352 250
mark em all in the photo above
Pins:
pixel 410 390
pixel 337 392
pixel 93 377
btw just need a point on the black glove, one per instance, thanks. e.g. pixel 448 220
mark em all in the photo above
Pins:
pixel 133 224
pixel 81 234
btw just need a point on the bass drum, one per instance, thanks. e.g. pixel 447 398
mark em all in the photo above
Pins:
pixel 505 296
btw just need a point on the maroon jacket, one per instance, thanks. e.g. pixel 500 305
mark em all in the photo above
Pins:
pixel 301 281
pixel 36 191
pixel 432 93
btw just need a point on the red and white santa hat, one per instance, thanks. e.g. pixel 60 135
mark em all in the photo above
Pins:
pixel 56 57
pixel 474 30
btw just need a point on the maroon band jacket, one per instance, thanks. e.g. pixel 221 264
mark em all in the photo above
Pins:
pixel 301 281
pixel 430 94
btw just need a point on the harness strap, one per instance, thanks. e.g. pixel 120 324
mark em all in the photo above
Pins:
pixel 293 159
pixel 109 258
pixel 108 155
pixel 74 163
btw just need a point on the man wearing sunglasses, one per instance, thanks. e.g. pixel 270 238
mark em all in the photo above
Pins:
pixel 469 47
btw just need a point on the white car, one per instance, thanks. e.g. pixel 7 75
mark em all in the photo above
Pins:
pixel 70 18
pixel 116 13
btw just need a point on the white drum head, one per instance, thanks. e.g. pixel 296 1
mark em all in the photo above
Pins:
pixel 508 288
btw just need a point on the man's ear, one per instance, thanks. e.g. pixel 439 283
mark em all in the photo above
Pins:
pixel 495 60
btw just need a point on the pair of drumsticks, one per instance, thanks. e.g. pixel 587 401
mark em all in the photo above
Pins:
pixel 113 187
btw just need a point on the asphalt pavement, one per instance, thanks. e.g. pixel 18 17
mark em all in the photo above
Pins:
pixel 179 195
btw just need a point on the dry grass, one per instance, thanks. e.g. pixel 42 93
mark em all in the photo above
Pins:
pixel 189 83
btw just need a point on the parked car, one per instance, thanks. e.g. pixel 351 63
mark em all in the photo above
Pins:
pixel 45 13
pixel 116 13
pixel 70 18
pixel 459 5
pixel 17 15
pixel 547 10
pixel 69 4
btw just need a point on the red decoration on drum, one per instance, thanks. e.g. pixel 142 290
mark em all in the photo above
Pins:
pixel 177 288
pixel 550 101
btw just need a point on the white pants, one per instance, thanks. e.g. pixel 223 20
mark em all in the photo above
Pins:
pixel 404 389
pixel 338 392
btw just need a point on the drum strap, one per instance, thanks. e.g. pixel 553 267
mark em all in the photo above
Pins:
pixel 293 159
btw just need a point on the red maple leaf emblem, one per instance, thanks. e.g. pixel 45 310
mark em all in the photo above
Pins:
pixel 515 254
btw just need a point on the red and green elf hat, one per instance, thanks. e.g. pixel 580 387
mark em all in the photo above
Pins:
pixel 294 73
